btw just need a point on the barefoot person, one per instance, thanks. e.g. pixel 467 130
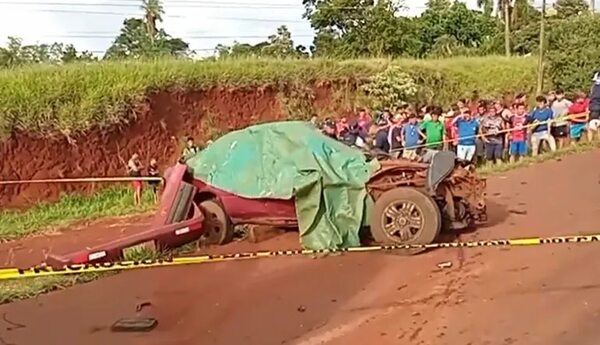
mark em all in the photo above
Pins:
pixel 153 172
pixel 134 169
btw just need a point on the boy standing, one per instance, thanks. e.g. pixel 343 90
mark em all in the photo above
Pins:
pixel 467 129
pixel 518 134
pixel 560 108
pixel 541 114
pixel 410 138
pixel 492 125
pixel 433 130
pixel 190 150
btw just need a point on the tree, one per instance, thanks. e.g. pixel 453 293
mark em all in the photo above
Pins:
pixel 279 45
pixel 153 12
pixel 135 42
pixel 355 28
pixel 454 23
pixel 15 53
pixel 569 8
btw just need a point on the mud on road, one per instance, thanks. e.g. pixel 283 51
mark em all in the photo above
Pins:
pixel 519 295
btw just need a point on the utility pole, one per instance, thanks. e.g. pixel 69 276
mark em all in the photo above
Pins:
pixel 540 76
pixel 593 6
pixel 507 28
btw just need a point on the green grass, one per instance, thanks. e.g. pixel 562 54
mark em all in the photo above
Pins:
pixel 44 99
pixel 18 289
pixel 489 169
pixel 115 201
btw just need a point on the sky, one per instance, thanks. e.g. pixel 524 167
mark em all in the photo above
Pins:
pixel 93 24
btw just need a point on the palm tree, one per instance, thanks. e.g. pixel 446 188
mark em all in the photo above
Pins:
pixel 153 12
pixel 501 6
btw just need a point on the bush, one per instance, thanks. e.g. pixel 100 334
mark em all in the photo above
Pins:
pixel 573 52
pixel 77 96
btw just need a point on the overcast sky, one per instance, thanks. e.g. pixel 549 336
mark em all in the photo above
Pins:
pixel 93 24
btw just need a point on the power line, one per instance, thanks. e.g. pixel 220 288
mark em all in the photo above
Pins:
pixel 170 5
pixel 185 36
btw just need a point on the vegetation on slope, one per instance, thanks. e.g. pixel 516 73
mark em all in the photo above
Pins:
pixel 74 97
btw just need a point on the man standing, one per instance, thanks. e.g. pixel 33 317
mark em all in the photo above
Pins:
pixel 433 130
pixel 560 128
pixel 492 125
pixel 542 115
pixel 594 117
pixel 467 129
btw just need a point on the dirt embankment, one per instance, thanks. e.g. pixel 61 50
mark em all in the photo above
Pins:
pixel 157 130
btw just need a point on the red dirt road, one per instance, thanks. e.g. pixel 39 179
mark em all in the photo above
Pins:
pixel 528 295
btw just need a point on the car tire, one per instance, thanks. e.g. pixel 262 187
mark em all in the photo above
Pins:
pixel 218 228
pixel 405 216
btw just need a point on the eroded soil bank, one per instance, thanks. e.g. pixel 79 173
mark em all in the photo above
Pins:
pixel 157 130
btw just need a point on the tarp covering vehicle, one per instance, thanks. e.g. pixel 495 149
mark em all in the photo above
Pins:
pixel 255 175
pixel 292 160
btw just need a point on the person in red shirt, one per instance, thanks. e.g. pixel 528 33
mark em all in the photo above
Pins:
pixel 518 133
pixel 450 130
pixel 578 116
pixel 364 120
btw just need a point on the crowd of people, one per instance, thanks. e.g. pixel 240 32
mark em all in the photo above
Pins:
pixel 479 131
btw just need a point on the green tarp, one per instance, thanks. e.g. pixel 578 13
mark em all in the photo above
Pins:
pixel 282 160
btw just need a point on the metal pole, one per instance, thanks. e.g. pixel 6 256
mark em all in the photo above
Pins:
pixel 506 29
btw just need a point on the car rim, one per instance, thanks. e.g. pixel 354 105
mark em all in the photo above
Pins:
pixel 402 220
pixel 215 224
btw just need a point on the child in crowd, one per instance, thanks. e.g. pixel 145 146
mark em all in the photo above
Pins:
pixel 433 130
pixel 134 169
pixel 578 116
pixel 410 136
pixel 467 129
pixel 560 108
pixel 518 134
pixel 541 115
pixel 492 125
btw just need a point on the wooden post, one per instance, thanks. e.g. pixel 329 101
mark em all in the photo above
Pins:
pixel 540 76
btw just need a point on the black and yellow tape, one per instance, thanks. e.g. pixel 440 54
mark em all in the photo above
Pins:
pixel 40 271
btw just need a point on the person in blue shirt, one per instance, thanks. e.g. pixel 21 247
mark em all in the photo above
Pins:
pixel 468 129
pixel 543 115
pixel 410 137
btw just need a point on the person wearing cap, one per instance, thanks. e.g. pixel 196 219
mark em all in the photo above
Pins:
pixel 134 169
pixel 593 125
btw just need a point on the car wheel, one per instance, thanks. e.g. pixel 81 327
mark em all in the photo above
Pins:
pixel 218 228
pixel 406 216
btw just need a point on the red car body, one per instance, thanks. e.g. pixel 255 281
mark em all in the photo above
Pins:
pixel 268 211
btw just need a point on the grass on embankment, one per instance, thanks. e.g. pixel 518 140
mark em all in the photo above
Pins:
pixel 75 97
pixel 110 202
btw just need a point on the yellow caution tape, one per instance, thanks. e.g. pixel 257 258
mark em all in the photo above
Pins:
pixel 41 271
